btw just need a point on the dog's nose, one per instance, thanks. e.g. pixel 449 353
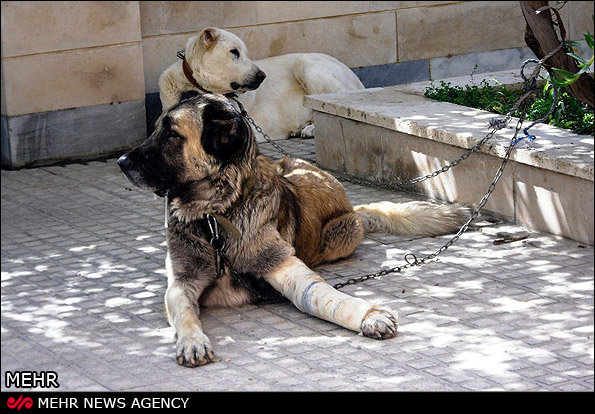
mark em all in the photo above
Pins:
pixel 260 76
pixel 124 162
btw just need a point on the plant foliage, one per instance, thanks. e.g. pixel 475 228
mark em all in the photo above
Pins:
pixel 569 113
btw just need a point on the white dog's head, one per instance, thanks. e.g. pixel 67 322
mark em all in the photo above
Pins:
pixel 219 62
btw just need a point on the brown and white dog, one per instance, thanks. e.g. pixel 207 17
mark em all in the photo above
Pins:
pixel 243 227
pixel 271 90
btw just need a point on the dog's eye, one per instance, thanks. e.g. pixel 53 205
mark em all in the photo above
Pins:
pixel 235 52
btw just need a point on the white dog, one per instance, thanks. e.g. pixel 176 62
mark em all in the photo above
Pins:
pixel 271 90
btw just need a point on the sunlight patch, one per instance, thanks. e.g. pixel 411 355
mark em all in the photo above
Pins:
pixel 10 275
pixel 511 305
pixel 149 249
pixel 115 302
pixel 81 248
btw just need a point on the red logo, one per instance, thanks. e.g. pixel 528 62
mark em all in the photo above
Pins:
pixel 12 403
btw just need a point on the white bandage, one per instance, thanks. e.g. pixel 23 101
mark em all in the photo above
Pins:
pixel 311 294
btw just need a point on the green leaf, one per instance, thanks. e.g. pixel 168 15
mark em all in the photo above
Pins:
pixel 577 57
pixel 564 77
pixel 583 70
pixel 589 40
pixel 572 43
pixel 564 74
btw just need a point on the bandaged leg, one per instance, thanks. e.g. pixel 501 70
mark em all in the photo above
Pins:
pixel 311 294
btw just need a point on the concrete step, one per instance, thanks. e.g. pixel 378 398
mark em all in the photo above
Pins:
pixel 395 133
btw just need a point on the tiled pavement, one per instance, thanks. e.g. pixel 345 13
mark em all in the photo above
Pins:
pixel 83 283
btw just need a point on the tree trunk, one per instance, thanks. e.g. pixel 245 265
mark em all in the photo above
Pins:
pixel 541 37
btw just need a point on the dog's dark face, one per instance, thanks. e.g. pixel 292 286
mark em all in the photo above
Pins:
pixel 194 140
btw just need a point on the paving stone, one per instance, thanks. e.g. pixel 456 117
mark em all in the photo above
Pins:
pixel 83 281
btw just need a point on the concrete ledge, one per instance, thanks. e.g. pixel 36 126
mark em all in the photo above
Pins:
pixel 401 109
pixel 395 133
pixel 72 134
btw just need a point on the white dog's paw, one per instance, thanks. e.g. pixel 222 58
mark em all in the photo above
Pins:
pixel 380 323
pixel 308 131
pixel 194 349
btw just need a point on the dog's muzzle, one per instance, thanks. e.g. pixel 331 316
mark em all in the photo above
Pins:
pixel 125 164
pixel 254 84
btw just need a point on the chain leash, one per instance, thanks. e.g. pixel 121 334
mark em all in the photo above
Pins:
pixel 530 85
pixel 496 124
pixel 410 258
pixel 416 180
pixel 258 128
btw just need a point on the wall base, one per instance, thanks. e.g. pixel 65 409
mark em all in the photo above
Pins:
pixel 72 134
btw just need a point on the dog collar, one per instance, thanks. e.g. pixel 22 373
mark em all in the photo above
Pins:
pixel 188 74
pixel 214 236
pixel 190 78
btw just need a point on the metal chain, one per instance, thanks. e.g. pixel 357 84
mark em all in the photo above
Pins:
pixel 410 258
pixel 258 128
pixel 496 124
pixel 464 227
pixel 528 89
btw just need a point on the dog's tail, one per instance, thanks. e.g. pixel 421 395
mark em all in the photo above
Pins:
pixel 415 218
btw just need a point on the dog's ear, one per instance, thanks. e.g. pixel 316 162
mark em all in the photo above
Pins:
pixel 209 37
pixel 225 134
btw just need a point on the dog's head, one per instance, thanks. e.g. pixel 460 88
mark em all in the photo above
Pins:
pixel 219 62
pixel 195 152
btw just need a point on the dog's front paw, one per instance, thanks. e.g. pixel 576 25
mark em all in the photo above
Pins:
pixel 308 131
pixel 380 323
pixel 194 349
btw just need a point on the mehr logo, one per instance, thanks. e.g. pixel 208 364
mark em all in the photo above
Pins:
pixel 19 403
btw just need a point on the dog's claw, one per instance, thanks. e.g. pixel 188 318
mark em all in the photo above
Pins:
pixel 194 350
pixel 380 323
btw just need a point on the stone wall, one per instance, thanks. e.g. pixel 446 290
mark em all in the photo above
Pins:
pixel 72 80
pixel 76 75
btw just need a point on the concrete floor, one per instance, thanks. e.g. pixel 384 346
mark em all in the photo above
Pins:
pixel 82 295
